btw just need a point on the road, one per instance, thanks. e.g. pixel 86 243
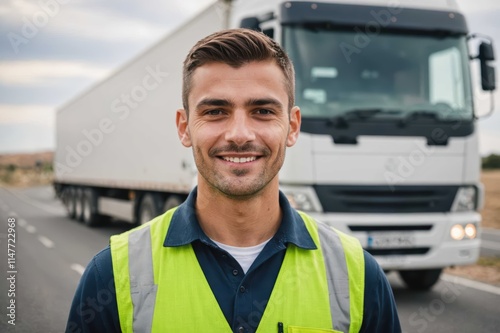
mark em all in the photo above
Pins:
pixel 52 251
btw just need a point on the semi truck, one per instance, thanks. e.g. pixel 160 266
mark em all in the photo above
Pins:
pixel 388 150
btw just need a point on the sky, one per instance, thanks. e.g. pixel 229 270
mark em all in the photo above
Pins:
pixel 53 50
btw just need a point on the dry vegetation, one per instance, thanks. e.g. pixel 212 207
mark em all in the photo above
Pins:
pixel 23 170
pixel 491 210
pixel 486 270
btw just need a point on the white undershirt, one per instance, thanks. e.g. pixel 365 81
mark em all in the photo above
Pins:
pixel 245 256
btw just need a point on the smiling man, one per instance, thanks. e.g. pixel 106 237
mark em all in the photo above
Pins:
pixel 239 124
pixel 235 256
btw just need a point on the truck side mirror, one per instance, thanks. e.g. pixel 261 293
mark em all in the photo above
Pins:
pixel 251 22
pixel 488 77
pixel 486 54
pixel 254 23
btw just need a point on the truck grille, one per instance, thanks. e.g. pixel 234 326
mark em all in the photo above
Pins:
pixel 403 227
pixel 386 199
pixel 398 251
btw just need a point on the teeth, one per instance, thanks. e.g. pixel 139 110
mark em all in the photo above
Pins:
pixel 240 159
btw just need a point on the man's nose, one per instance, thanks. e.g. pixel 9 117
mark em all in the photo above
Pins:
pixel 240 129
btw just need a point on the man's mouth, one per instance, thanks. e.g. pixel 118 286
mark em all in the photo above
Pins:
pixel 239 159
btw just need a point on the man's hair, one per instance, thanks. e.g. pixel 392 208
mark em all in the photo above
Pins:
pixel 237 47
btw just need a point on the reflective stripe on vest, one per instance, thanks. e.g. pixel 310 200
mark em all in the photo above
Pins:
pixel 345 276
pixel 137 266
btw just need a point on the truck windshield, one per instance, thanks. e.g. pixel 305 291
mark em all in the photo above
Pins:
pixel 399 75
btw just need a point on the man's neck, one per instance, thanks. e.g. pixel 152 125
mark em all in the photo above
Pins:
pixel 238 222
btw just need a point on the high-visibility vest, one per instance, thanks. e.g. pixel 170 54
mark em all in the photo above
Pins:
pixel 163 289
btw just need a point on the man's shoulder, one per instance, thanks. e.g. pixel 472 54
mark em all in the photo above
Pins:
pixel 373 271
pixel 101 265
pixel 94 307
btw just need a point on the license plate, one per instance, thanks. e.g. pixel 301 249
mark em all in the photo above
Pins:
pixel 390 240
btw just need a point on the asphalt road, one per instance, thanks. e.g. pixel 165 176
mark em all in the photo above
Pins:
pixel 51 252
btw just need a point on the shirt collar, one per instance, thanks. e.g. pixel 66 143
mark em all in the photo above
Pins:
pixel 184 227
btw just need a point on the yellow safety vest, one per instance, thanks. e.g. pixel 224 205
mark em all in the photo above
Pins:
pixel 163 289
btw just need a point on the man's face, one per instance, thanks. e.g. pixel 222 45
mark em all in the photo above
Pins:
pixel 238 126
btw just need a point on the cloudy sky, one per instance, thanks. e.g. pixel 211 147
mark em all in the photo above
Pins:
pixel 52 50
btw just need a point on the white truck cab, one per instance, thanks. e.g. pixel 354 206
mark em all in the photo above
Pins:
pixel 388 150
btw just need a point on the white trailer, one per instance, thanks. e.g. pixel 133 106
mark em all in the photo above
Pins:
pixel 117 150
pixel 388 150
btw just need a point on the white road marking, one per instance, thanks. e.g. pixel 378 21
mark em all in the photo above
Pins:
pixel 78 268
pixel 46 242
pixel 471 284
pixel 22 223
pixel 31 229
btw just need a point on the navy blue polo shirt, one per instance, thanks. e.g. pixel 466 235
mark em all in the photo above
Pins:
pixel 241 297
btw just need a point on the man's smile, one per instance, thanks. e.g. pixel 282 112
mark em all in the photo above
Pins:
pixel 239 159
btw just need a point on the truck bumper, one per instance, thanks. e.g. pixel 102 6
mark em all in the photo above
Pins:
pixel 410 241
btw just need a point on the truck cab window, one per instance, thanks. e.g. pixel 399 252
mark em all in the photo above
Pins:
pixel 398 72
pixel 446 81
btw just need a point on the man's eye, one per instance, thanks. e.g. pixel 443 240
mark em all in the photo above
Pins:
pixel 215 112
pixel 264 111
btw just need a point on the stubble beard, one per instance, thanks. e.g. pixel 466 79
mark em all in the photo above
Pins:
pixel 237 187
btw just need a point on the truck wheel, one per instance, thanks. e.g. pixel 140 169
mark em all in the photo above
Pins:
pixel 172 201
pixel 421 279
pixel 90 214
pixel 78 199
pixel 149 208
pixel 69 201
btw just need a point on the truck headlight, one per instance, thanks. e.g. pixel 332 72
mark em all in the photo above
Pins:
pixel 465 200
pixel 302 198
pixel 459 231
pixel 470 231
pixel 300 201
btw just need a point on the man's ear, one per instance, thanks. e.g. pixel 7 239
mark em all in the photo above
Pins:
pixel 293 133
pixel 181 120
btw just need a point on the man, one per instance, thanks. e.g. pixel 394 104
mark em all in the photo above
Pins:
pixel 235 257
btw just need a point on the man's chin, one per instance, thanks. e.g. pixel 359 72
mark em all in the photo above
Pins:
pixel 240 191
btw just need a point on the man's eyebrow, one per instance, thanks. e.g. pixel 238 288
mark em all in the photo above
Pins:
pixel 211 102
pixel 264 101
pixel 214 102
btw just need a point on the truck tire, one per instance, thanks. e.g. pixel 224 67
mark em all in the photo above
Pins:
pixel 78 202
pixel 90 214
pixel 68 199
pixel 149 208
pixel 72 202
pixel 421 279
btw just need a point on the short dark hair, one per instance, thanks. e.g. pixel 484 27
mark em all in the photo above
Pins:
pixel 237 47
